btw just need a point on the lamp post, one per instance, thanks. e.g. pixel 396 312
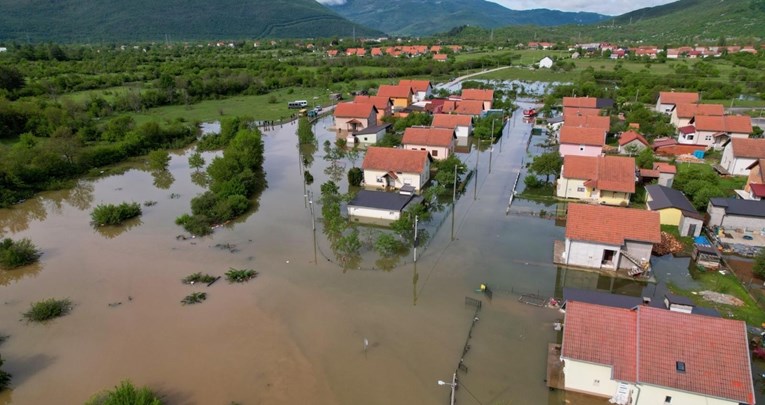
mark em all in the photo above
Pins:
pixel 309 195
pixel 454 385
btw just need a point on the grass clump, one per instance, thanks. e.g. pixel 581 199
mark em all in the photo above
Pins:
pixel 45 310
pixel 17 253
pixel 198 278
pixel 240 275
pixel 126 393
pixel 110 214
pixel 194 298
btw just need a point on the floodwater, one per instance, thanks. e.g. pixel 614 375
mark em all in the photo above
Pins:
pixel 296 333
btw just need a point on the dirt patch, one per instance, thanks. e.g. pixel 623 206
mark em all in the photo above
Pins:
pixel 744 270
pixel 721 298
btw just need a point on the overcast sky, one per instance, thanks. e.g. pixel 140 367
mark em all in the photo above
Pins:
pixel 609 7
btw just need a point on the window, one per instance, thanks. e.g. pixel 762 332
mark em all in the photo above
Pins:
pixel 689 137
pixel 596 383
pixel 667 399
pixel 580 189
pixel 379 179
pixel 434 153
pixel 581 148
pixel 708 137
pixel 680 366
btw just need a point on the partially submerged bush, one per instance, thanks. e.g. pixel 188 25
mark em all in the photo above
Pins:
pixel 5 378
pixel 198 278
pixel 124 394
pixel 240 275
pixel 110 214
pixel 17 253
pixel 194 298
pixel 45 310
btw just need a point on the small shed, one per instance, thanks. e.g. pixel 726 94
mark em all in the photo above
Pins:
pixel 546 62
pixel 369 135
pixel 379 205
pixel 706 256
pixel 678 304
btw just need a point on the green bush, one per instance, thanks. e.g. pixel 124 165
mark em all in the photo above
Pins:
pixel 355 176
pixel 17 253
pixel 110 214
pixel 196 225
pixel 198 278
pixel 240 275
pixel 532 181
pixel 5 378
pixel 158 159
pixel 51 308
pixel 387 245
pixel 194 298
pixel 126 394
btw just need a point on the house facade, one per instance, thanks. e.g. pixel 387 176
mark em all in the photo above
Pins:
pixel 353 117
pixel 736 213
pixel 608 180
pixel 438 142
pixel 715 132
pixel 421 89
pixel 669 99
pixel 383 104
pixel 484 96
pixel 740 153
pixel 674 209
pixel 462 125
pixel 400 96
pixel 578 141
pixel 395 168
pixel 378 205
pixel 639 356
pixel 631 143
pixel 682 114
pixel 611 238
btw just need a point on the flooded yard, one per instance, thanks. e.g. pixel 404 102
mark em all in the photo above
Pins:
pixel 296 333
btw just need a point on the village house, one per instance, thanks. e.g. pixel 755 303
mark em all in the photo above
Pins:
pixel 473 108
pixel 369 135
pixel 375 204
pixel 588 121
pixel 674 208
pixel 580 141
pixel 440 57
pixel 606 180
pixel 609 237
pixel 439 142
pixel 462 125
pixel 400 96
pixel 631 143
pixel 669 99
pixel 422 89
pixel 545 63
pixel 736 213
pixel 352 117
pixel 587 102
pixel 396 168
pixel 383 104
pixel 662 173
pixel 645 356
pixel 740 153
pixel 716 131
pixel 570 111
pixel 755 183
pixel 485 96
pixel 682 114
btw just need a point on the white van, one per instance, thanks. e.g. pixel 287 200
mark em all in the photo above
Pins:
pixel 298 104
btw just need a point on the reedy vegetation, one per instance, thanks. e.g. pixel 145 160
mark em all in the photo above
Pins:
pixel 17 253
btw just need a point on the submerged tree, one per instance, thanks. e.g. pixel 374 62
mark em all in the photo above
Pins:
pixel 17 253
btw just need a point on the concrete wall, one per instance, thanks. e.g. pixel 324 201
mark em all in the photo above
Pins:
pixel 587 254
pixel 670 216
pixel 579 150
pixel 614 198
pixel 650 395
pixel 593 379
pixel 664 108
pixel 666 179
pixel 436 152
pixel 416 180
pixel 462 131
pixel 638 250
pixel 685 225
pixel 572 188
pixel 366 212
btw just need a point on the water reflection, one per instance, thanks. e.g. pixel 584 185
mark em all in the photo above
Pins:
pixel 163 179
pixel 11 276
pixel 112 231
pixel 200 178
pixel 17 218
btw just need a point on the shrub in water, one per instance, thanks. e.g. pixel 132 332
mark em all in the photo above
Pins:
pixel 5 378
pixel 17 253
pixel 194 298
pixel 198 278
pixel 48 309
pixel 126 393
pixel 240 276
pixel 110 214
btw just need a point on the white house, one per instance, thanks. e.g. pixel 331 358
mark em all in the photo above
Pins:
pixel 669 99
pixel 545 63
pixel 421 89
pixel 740 153
pixel 353 117
pixel 603 179
pixel 631 143
pixel 609 237
pixel 439 142
pixel 716 131
pixel 462 125
pixel 368 135
pixel 392 167
pixel 682 114
pixel 736 213
pixel 650 356
pixel 378 205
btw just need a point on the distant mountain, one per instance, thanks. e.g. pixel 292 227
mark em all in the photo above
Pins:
pixel 423 17
pixel 131 20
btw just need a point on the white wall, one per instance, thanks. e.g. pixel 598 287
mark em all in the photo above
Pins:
pixel 587 254
pixel 367 212
pixel 436 152
pixel 650 395
pixel 566 149
pixel 591 378
pixel 638 250
pixel 685 224
pixel 569 188
pixel 414 179
pixel 462 131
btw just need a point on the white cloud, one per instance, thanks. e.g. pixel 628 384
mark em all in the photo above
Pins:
pixel 332 2
pixel 609 7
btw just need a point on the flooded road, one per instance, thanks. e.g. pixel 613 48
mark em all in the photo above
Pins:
pixel 295 333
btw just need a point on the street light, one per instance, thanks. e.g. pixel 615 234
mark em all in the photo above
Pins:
pixel 454 385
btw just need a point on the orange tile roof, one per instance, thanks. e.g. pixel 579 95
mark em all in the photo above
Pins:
pixel 416 85
pixel 354 110
pixel 612 225
pixel 569 111
pixel 428 136
pixel 582 136
pixel 451 121
pixel 449 106
pixel 748 148
pixel 395 160
pixel 645 344
pixel 441 56
pixel 589 121
pixel 376 52
pixel 581 102
pixel 609 173
pixel 679 97
pixel 391 91
pixel 630 136
pixel 478 94
pixel 381 103
pixel 686 110
pixel 435 48
pixel 664 167
pixel 740 124
pixel 469 107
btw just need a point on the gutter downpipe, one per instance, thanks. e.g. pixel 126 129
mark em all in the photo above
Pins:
pixel 637 357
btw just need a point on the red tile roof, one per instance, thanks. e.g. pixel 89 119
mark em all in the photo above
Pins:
pixel 609 173
pixel 612 225
pixel 354 110
pixel 377 52
pixel 671 97
pixel 477 94
pixel 751 148
pixel 569 111
pixel 662 142
pixel 740 124
pixel 588 121
pixel 381 103
pixel 469 107
pixel 390 91
pixel 581 102
pixel 395 160
pixel 441 56
pixel 757 189
pixel 691 110
pixel 644 345
pixel 630 136
pixel 664 168
pixel 428 136
pixel 582 136
pixel 416 85
pixel 688 129
pixel 451 121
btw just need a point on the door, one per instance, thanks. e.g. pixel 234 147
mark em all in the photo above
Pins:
pixel 691 230
pixel 608 257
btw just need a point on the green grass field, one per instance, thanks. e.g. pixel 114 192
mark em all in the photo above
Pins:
pixel 107 94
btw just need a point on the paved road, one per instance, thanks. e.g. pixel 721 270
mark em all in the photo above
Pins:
pixel 461 78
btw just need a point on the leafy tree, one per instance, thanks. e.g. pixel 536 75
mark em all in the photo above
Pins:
pixel 11 78
pixel 158 159
pixel 445 174
pixel 196 161
pixel 547 164
pixel 308 177
pixel 126 393
pixel 355 176
pixel 348 246
pixel 388 245
pixel 702 196
pixel 17 253
pixel 531 181
pixel 482 128
pixel 645 159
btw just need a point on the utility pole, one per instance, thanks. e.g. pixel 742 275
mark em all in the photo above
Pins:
pixel 491 147
pixel 477 156
pixel 313 215
pixel 416 242
pixel 454 198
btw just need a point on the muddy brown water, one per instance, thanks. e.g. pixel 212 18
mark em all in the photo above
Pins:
pixel 294 334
